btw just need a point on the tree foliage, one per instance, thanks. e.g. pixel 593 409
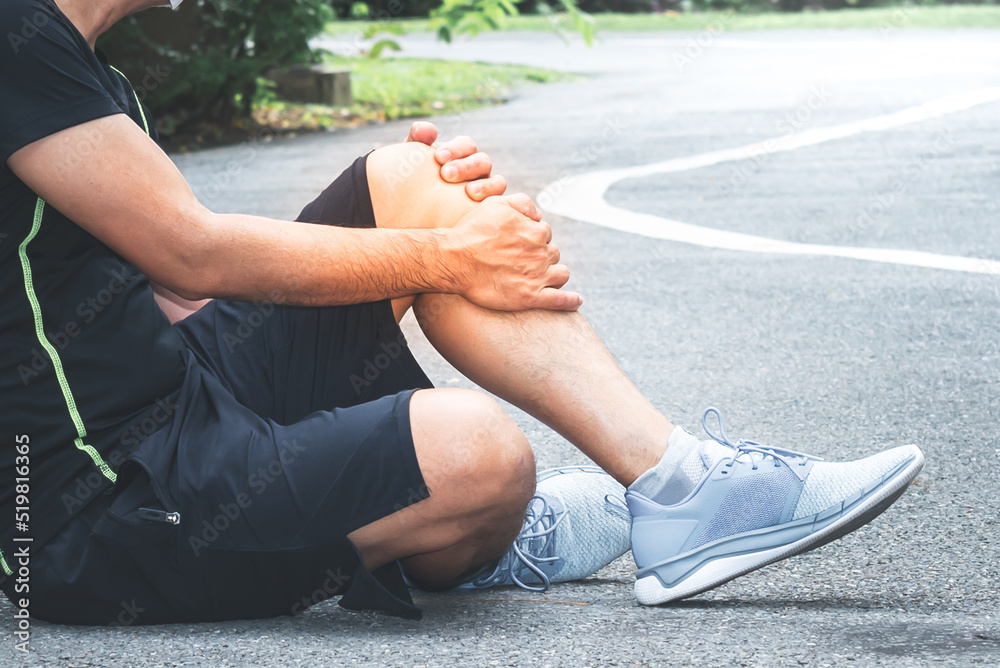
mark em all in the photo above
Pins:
pixel 209 57
pixel 210 53
pixel 471 17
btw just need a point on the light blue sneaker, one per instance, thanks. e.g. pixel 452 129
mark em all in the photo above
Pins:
pixel 575 525
pixel 755 507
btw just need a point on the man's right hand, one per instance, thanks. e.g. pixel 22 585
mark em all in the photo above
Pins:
pixel 504 258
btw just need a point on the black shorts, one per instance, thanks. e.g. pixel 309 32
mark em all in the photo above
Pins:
pixel 291 431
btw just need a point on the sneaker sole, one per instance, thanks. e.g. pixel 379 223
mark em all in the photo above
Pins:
pixel 650 590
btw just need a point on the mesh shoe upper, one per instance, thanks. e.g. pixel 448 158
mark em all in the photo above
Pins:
pixel 830 483
pixel 575 525
pixel 753 489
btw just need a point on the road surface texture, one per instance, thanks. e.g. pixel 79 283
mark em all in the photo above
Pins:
pixel 767 134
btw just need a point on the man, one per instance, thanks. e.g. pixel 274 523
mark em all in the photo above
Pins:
pixel 280 445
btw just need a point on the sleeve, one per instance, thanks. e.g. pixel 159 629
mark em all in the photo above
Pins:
pixel 50 80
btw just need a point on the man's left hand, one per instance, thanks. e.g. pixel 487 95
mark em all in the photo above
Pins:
pixel 461 162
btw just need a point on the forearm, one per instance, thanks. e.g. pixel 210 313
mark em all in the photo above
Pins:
pixel 495 256
pixel 249 258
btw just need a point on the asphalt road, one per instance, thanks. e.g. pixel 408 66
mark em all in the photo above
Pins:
pixel 835 356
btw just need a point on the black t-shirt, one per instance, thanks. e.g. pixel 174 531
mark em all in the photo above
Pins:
pixel 85 353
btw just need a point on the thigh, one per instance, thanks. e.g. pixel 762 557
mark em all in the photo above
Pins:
pixel 286 362
pixel 263 512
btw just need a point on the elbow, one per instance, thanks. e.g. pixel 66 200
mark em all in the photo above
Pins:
pixel 194 272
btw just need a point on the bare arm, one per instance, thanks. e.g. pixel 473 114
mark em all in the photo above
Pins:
pixel 113 181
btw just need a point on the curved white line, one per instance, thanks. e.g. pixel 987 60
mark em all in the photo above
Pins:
pixel 581 197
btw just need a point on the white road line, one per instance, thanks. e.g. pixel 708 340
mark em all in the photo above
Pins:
pixel 581 197
pixel 726 40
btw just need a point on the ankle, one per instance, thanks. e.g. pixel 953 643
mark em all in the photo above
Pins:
pixel 675 475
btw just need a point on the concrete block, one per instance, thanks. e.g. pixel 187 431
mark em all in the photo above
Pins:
pixel 318 84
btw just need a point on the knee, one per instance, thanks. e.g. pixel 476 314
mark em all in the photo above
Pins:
pixel 397 165
pixel 482 446
pixel 407 190
pixel 502 457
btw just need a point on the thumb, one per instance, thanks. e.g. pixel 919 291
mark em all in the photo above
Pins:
pixel 554 299
pixel 524 206
pixel 422 132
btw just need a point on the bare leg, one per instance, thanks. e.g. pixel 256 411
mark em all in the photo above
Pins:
pixel 481 474
pixel 550 364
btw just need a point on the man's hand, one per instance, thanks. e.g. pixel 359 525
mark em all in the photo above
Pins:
pixel 506 260
pixel 461 162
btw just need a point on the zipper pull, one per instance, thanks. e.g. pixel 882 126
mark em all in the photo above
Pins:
pixel 159 516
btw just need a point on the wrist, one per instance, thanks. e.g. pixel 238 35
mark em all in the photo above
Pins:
pixel 447 261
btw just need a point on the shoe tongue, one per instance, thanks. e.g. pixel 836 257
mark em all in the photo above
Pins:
pixel 712 451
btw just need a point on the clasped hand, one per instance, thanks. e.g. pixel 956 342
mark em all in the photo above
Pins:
pixel 507 260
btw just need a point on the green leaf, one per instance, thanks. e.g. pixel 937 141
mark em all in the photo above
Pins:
pixel 378 47
pixel 360 10
pixel 373 29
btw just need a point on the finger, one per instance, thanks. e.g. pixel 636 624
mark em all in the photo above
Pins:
pixel 554 255
pixel 547 231
pixel 557 276
pixel 422 132
pixel 493 186
pixel 554 299
pixel 523 205
pixel 470 168
pixel 455 149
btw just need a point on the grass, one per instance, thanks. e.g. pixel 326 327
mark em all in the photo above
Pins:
pixel 391 88
pixel 412 87
pixel 942 16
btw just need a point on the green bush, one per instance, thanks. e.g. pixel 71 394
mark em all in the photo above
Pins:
pixel 386 9
pixel 201 65
pixel 471 17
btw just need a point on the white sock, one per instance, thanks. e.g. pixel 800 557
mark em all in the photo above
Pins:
pixel 680 469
